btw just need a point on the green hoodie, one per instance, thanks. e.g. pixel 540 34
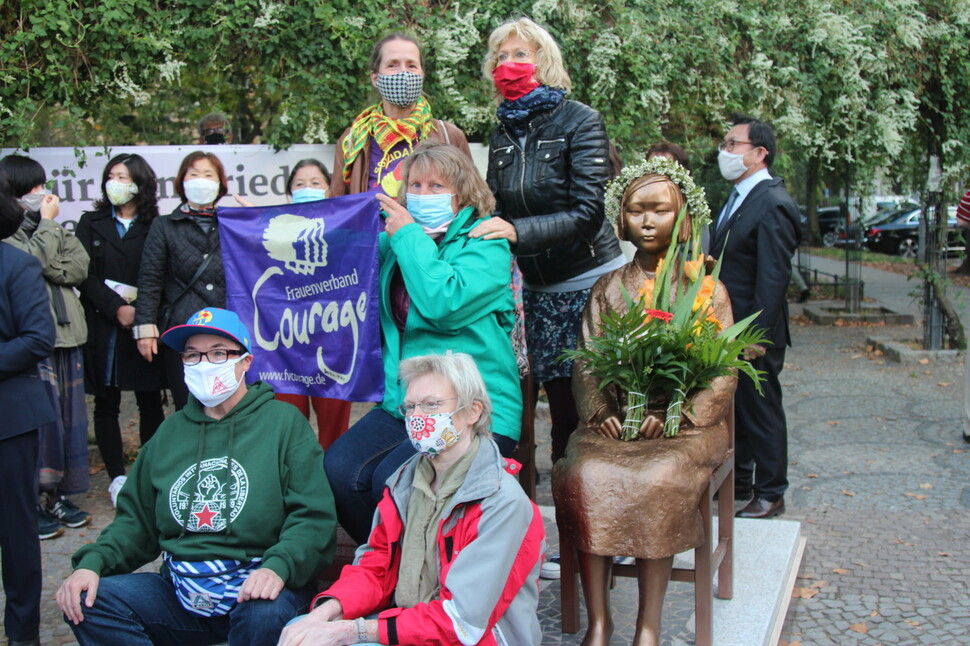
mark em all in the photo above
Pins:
pixel 281 506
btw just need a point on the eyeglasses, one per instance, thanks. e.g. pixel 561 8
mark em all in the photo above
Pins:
pixel 518 55
pixel 212 356
pixel 730 144
pixel 429 407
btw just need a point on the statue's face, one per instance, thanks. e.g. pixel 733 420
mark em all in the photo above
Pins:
pixel 649 214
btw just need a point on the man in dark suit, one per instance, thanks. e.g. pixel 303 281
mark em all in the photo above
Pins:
pixel 755 234
pixel 26 337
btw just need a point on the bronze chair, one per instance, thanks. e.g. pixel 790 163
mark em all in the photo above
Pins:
pixel 716 554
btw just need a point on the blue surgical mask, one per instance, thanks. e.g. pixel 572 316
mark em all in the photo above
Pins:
pixel 432 212
pixel 308 194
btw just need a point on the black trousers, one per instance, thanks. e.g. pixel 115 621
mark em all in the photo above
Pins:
pixel 107 431
pixel 19 544
pixel 761 431
pixel 174 375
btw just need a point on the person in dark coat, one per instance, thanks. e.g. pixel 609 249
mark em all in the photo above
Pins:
pixel 181 267
pixel 26 338
pixel 755 235
pixel 114 235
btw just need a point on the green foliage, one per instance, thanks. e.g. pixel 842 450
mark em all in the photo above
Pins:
pixel 862 87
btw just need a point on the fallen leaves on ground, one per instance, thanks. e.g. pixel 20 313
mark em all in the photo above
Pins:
pixel 840 570
pixel 860 628
pixel 811 475
pixel 917 496
pixel 847 492
pixel 803 593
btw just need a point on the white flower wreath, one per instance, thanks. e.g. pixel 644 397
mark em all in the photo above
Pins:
pixel 697 206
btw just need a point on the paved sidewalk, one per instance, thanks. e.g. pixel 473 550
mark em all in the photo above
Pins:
pixel 880 479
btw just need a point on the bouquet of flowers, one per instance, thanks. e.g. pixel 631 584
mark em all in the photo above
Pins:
pixel 669 343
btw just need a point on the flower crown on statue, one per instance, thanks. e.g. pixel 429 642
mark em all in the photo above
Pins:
pixel 697 206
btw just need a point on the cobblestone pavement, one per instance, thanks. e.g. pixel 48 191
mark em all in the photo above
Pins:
pixel 879 479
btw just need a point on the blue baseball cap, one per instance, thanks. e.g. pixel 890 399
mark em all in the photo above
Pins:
pixel 211 320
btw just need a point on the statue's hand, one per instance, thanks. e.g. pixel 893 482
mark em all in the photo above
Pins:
pixel 610 427
pixel 651 428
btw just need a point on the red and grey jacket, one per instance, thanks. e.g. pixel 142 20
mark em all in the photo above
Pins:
pixel 490 545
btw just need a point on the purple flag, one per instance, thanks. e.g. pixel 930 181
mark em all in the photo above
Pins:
pixel 303 278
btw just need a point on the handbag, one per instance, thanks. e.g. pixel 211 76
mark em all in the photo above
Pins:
pixel 209 588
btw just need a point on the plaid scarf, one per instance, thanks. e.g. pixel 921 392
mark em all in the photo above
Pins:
pixel 388 132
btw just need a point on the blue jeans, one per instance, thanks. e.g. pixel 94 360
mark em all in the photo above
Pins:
pixel 142 610
pixel 362 459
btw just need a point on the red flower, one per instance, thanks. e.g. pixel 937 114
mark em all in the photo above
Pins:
pixel 421 426
pixel 666 317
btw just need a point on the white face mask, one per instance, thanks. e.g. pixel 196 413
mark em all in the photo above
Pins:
pixel 120 192
pixel 212 383
pixel 731 165
pixel 200 190
pixel 431 434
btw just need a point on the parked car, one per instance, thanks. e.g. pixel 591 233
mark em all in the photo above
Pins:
pixel 900 234
pixel 830 219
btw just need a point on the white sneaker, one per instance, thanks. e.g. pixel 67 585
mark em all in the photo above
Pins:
pixel 115 488
pixel 550 568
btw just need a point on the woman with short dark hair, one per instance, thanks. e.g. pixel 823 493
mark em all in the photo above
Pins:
pixel 181 269
pixel 114 235
pixel 26 338
pixel 310 180
pixel 64 443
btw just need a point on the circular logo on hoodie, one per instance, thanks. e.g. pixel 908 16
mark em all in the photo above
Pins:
pixel 206 496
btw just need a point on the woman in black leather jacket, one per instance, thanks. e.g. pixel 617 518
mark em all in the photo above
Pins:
pixel 548 164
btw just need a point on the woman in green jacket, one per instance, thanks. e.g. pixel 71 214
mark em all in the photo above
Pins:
pixel 440 291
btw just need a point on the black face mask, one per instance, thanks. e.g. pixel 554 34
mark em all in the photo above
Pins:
pixel 215 138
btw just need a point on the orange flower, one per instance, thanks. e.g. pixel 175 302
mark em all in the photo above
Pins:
pixel 692 268
pixel 646 291
pixel 705 297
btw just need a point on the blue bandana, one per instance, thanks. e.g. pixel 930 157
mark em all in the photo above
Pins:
pixel 515 115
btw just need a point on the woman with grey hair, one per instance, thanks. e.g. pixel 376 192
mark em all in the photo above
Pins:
pixel 454 552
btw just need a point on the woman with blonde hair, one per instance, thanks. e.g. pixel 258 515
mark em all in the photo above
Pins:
pixel 440 290
pixel 548 163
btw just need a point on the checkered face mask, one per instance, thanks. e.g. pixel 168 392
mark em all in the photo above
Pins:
pixel 402 89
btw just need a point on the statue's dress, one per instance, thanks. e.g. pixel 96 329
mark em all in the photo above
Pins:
pixel 616 498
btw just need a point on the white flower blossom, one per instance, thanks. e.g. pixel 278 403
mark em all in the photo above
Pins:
pixel 170 70
pixel 267 14
pixel 128 87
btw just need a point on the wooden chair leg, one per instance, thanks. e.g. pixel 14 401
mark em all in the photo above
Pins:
pixel 703 578
pixel 725 536
pixel 569 586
